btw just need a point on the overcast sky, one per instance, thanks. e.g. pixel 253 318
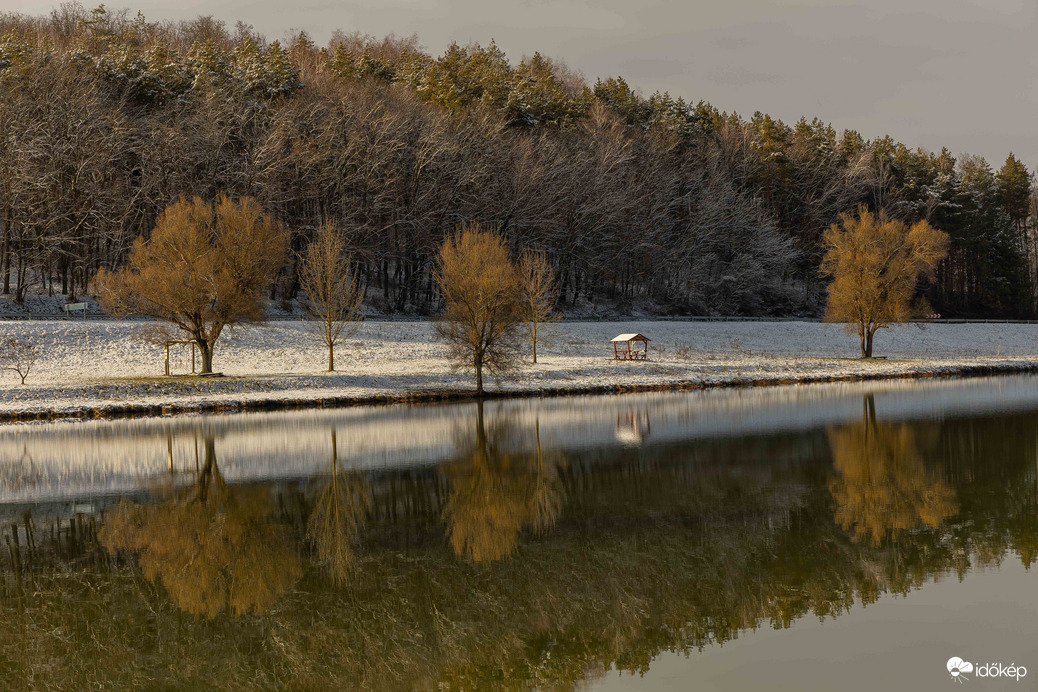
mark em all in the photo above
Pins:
pixel 931 73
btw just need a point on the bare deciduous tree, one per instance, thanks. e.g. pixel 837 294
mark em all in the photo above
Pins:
pixel 481 323
pixel 340 508
pixel 19 356
pixel 326 276
pixel 875 263
pixel 538 293
pixel 204 268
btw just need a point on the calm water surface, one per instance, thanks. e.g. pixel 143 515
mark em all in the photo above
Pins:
pixel 829 537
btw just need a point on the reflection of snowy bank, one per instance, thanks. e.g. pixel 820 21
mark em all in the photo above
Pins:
pixel 65 460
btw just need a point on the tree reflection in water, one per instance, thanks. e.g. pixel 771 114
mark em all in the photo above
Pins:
pixel 674 546
pixel 495 494
pixel 341 503
pixel 882 487
pixel 212 548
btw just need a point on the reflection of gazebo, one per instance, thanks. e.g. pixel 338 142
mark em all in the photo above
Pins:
pixel 625 347
pixel 632 428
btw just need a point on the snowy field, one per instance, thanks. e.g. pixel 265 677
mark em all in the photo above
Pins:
pixel 103 364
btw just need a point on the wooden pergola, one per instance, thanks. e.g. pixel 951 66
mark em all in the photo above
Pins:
pixel 625 347
pixel 193 346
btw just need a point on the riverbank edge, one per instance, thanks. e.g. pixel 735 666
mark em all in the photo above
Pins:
pixel 428 396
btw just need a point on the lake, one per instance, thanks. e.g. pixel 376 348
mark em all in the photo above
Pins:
pixel 854 536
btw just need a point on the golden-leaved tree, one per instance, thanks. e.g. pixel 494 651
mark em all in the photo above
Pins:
pixel 205 267
pixel 875 264
pixel 497 494
pixel 481 288
pixel 882 487
pixel 213 548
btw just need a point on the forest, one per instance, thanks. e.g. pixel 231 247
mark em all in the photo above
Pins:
pixel 652 203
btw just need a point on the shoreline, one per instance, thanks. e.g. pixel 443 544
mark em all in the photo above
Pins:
pixel 96 370
pixel 430 396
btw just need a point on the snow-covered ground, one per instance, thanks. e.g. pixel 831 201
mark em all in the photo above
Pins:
pixel 99 365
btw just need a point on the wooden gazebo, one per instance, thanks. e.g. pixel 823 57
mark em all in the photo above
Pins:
pixel 625 347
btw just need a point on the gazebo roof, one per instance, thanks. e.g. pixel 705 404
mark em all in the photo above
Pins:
pixel 630 337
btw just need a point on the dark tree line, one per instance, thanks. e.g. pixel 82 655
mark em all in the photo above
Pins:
pixel 106 119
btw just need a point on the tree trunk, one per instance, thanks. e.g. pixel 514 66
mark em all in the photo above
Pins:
pixel 481 430
pixel 207 475
pixel 206 350
pixel 867 351
pixel 478 363
pixel 533 329
pixel 6 259
pixel 335 456
pixel 869 404
pixel 20 287
pixel 329 338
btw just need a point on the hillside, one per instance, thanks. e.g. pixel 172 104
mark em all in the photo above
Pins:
pixel 657 204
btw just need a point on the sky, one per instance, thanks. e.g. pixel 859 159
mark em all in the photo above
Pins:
pixel 956 73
